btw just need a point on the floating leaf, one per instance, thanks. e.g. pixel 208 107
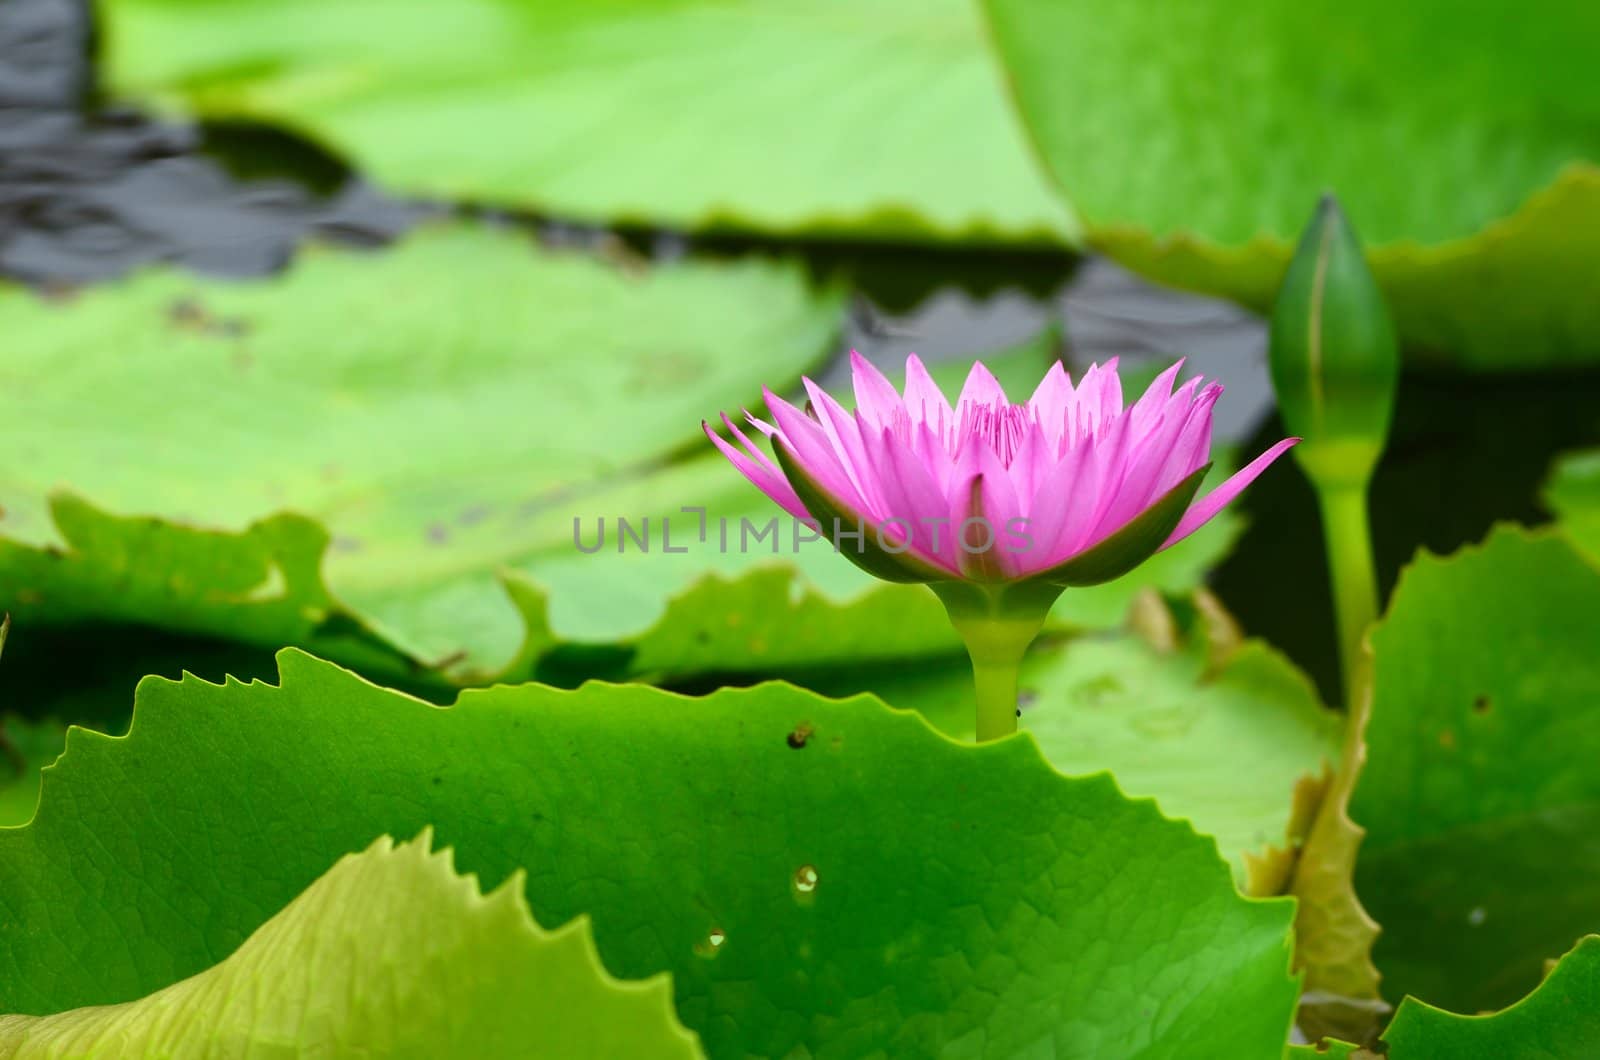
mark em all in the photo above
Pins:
pixel 26 747
pixel 1558 1019
pixel 892 116
pixel 1198 172
pixel 1574 494
pixel 961 898
pixel 1479 796
pixel 364 392
pixel 1222 748
pixel 393 950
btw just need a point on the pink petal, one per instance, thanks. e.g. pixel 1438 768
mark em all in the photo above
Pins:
pixel 1154 400
pixel 1148 458
pixel 754 450
pixel 924 401
pixel 911 496
pixel 981 388
pixel 1107 467
pixel 978 470
pixel 876 397
pixel 1062 501
pixel 935 458
pixel 1204 509
pixel 766 478
pixel 1051 395
pixel 811 448
pixel 1193 447
pixel 1033 462
pixel 845 438
pixel 1099 396
pixel 1049 404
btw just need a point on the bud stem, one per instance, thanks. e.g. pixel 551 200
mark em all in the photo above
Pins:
pixel 1352 572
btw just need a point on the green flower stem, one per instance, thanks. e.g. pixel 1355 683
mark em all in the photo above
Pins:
pixel 997 622
pixel 996 663
pixel 1354 577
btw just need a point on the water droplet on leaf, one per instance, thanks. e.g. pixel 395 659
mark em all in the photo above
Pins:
pixel 711 945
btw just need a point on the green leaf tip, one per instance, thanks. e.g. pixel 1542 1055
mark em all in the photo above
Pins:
pixel 1333 353
pixel 1558 1019
pixel 395 949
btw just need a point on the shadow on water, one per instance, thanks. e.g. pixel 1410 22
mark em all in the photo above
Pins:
pixel 90 190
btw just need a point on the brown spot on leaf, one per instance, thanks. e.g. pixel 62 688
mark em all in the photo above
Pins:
pixel 800 734
pixel 1481 704
pixel 1447 739
pixel 189 314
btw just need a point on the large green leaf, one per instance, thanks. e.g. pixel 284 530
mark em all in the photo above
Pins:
pixel 820 876
pixel 26 746
pixel 392 951
pixel 1219 745
pixel 1196 137
pixel 1574 494
pixel 1559 1020
pixel 438 411
pixel 1480 797
pixel 880 119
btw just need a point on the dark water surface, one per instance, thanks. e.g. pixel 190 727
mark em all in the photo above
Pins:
pixel 90 190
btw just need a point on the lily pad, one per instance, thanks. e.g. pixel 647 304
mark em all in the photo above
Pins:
pixel 1574 495
pixel 818 876
pixel 26 746
pixel 1559 1019
pixel 893 119
pixel 1219 744
pixel 1479 796
pixel 392 949
pixel 427 415
pixel 1200 170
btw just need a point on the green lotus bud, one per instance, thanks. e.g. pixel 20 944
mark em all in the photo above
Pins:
pixel 1333 352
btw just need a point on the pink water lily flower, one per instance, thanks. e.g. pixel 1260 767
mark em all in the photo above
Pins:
pixel 1069 486
pixel 996 505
